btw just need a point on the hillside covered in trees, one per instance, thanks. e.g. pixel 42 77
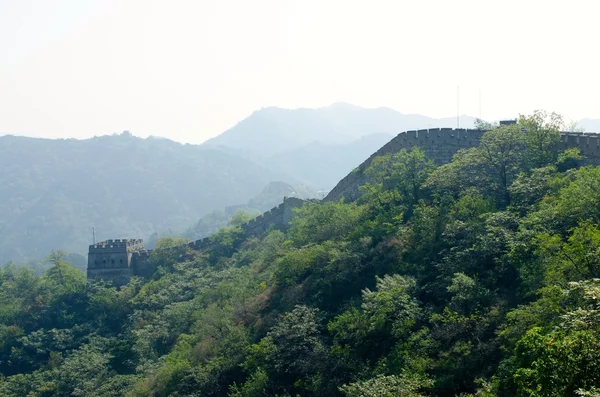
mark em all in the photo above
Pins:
pixel 475 278
pixel 56 189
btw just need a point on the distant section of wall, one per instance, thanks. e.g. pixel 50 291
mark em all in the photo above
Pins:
pixel 118 260
pixel 441 144
pixel 277 216
pixel 111 260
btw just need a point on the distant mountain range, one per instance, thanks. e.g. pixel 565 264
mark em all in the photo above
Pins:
pixel 318 147
pixel 54 191
pixel 273 130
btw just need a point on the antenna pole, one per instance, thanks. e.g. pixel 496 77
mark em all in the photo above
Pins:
pixel 480 104
pixel 457 106
pixel 94 235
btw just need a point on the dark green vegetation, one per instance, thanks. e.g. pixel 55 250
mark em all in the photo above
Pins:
pixel 479 277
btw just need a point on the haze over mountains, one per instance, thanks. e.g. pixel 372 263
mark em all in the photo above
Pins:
pixel 274 130
pixel 318 147
pixel 54 191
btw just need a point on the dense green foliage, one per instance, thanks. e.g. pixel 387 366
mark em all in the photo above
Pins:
pixel 475 278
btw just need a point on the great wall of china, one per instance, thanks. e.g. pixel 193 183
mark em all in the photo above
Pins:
pixel 118 260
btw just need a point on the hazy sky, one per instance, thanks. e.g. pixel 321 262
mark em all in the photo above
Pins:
pixel 188 70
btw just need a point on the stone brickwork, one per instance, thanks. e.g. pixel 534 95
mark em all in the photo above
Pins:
pixel 441 144
pixel 118 260
pixel 587 142
pixel 112 260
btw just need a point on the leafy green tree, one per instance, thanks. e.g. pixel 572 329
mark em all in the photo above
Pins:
pixel 292 353
pixel 542 136
pixel 394 187
pixel 403 172
pixel 169 250
pixel 576 258
pixel 492 166
pixel 529 189
pixel 386 386
pixel 577 200
pixel 315 223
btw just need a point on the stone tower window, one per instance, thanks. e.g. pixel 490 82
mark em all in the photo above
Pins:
pixel 121 261
pixel 112 261
pixel 104 261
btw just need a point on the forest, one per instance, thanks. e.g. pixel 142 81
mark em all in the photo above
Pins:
pixel 480 277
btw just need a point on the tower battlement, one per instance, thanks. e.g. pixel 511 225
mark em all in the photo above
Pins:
pixel 130 245
pixel 111 259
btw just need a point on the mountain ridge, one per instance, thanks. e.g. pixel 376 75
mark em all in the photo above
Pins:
pixel 335 124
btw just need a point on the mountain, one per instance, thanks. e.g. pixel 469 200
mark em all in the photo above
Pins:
pixel 433 284
pixel 54 191
pixel 274 130
pixel 323 165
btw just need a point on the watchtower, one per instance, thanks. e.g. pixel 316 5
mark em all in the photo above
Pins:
pixel 111 260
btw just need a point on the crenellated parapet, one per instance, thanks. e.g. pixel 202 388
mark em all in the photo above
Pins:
pixel 130 245
pixel 118 260
pixel 440 145
pixel 112 259
pixel 587 142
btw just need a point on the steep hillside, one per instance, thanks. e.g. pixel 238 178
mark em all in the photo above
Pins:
pixel 54 191
pixel 441 280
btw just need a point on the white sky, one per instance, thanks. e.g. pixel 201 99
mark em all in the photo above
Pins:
pixel 188 70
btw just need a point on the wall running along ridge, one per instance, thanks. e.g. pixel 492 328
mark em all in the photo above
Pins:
pixel 118 260
pixel 441 144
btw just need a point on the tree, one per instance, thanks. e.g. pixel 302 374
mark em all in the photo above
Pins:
pixel 491 167
pixel 542 136
pixel 397 179
pixel 387 386
pixel 501 153
pixel 315 223
pixel 292 354
pixel 576 258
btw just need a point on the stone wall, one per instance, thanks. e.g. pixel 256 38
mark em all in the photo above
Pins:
pixel 441 144
pixel 112 259
pixel 279 216
pixel 118 260
pixel 587 142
